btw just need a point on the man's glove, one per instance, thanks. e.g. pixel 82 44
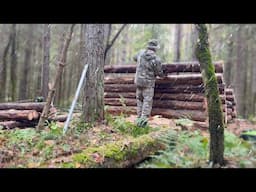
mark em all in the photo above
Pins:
pixel 165 71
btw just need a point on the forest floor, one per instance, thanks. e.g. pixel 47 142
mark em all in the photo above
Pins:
pixel 26 148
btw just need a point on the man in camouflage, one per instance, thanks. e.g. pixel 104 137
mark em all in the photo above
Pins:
pixel 148 67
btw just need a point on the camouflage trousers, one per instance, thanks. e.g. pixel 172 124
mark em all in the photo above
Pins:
pixel 144 96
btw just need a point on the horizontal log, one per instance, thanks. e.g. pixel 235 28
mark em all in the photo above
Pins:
pixel 230 98
pixel 171 68
pixel 234 114
pixel 191 79
pixel 167 113
pixel 229 118
pixel 199 97
pixel 23 106
pixel 161 96
pixel 122 153
pixel 13 114
pixel 230 104
pixel 17 124
pixel 229 91
pixel 167 104
pixel 201 125
pixel 59 118
pixel 229 111
pixel 159 88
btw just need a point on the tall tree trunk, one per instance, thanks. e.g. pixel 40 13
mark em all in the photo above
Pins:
pixel 216 122
pixel 124 47
pixel 254 82
pixel 61 64
pixel 109 44
pixel 109 52
pixel 59 91
pixel 40 58
pixel 46 59
pixel 93 105
pixel 245 82
pixel 177 42
pixel 81 50
pixel 229 64
pixel 13 75
pixel 24 83
pixel 239 85
pixel 188 42
pixel 4 70
pixel 194 37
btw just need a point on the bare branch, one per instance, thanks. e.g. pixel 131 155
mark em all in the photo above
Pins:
pixel 109 45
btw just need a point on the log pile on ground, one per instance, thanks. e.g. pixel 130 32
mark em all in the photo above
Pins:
pixel 180 95
pixel 231 104
pixel 18 114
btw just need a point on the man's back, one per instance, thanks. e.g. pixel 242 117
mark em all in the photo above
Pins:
pixel 148 67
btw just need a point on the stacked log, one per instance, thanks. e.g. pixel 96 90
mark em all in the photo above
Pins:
pixel 18 114
pixel 179 95
pixel 231 104
pixel 178 67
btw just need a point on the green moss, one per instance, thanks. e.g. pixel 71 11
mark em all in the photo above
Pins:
pixel 116 154
pixel 216 120
pixel 68 165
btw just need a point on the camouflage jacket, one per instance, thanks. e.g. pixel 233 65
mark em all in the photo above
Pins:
pixel 148 67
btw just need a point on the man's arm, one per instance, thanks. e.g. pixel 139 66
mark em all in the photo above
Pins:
pixel 159 70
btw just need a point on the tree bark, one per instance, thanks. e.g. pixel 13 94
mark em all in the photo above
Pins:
pixel 194 37
pixel 239 73
pixel 3 71
pixel 13 75
pixel 254 87
pixel 61 64
pixel 228 65
pixel 59 92
pixel 124 47
pixel 24 83
pixel 177 42
pixel 46 60
pixel 23 106
pixel 111 43
pixel 93 103
pixel 216 121
pixel 13 114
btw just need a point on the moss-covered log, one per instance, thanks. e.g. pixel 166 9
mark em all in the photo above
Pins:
pixel 216 120
pixel 120 154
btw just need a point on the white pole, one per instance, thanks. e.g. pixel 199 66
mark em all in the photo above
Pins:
pixel 75 99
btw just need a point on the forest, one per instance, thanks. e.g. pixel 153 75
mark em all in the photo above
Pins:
pixel 68 98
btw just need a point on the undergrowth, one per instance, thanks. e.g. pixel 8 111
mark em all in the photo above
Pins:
pixel 190 150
